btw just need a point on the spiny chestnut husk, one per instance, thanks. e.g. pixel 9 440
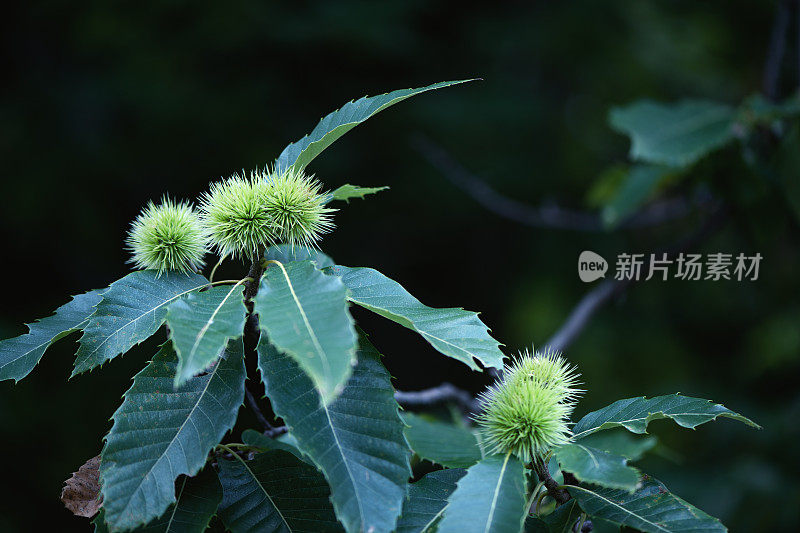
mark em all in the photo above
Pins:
pixel 527 413
pixel 167 236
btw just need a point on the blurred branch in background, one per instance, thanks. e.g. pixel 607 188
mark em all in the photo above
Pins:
pixel 552 217
pixel 546 216
pixel 776 50
pixel 444 393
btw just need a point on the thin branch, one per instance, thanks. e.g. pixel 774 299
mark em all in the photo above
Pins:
pixel 583 312
pixel 269 430
pixel 776 50
pixel 586 308
pixel 253 404
pixel 252 333
pixel 446 392
pixel 546 216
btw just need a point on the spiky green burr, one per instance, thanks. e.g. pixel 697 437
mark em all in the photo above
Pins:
pixel 235 218
pixel 297 206
pixel 527 413
pixel 167 236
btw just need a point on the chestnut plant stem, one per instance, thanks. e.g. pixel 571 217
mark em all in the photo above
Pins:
pixel 252 334
pixel 555 491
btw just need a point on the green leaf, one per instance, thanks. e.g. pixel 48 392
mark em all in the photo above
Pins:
pixel 640 183
pixel 305 314
pixel 591 465
pixel 299 154
pixel 427 499
pixel 634 414
pixel 285 253
pixel 274 492
pixel 677 135
pixel 19 355
pixel 620 442
pixel 253 438
pixel 563 518
pixel 196 503
pixel 347 191
pixel 132 309
pixel 490 498
pixel 454 332
pixel 160 433
pixel 201 324
pixel 441 443
pixel 356 440
pixel 652 508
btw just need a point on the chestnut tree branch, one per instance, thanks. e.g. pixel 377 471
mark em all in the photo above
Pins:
pixel 546 216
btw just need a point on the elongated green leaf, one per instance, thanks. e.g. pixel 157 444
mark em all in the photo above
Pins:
pixel 621 442
pixel 132 309
pixel 356 440
pixel 490 498
pixel 201 324
pixel 196 503
pixel 427 499
pixel 634 414
pixel 274 492
pixel 652 508
pixel 640 184
pixel 160 433
pixel 305 314
pixel 286 254
pixel 675 135
pixel 336 124
pixel 19 355
pixel 454 332
pixel 347 192
pixel 591 465
pixel 444 444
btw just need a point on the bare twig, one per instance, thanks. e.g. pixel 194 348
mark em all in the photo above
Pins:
pixel 251 337
pixel 547 216
pixel 776 50
pixel 446 392
pixel 584 311
pixel 253 404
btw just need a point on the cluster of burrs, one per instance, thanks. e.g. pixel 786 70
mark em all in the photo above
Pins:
pixel 238 217
pixel 527 413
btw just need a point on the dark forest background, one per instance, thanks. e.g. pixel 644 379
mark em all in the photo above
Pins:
pixel 106 105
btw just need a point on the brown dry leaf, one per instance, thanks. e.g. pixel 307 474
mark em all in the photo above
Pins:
pixel 81 495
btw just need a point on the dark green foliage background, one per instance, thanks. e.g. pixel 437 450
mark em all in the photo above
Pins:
pixel 106 105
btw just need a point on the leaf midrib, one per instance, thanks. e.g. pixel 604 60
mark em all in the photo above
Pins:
pixel 340 448
pixel 662 414
pixel 113 333
pixel 314 339
pixel 172 441
pixel 496 494
pixel 258 482
pixel 210 321
pixel 643 519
